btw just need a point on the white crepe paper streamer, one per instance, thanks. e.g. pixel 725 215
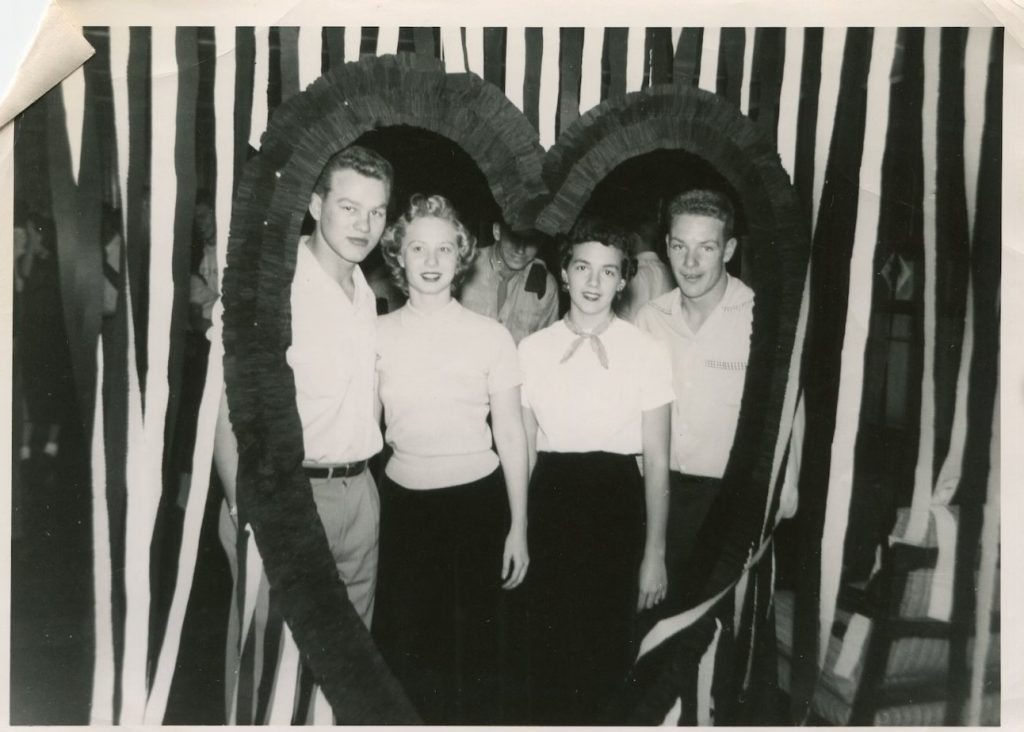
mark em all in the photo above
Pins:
pixel 310 55
pixel 475 50
pixel 282 704
pixel 940 599
pixel 73 91
pixel 858 316
pixel 636 41
pixel 387 40
pixel 917 524
pixel 832 46
pixel 712 39
pixel 705 680
pixel 789 99
pixel 101 711
pixel 353 42
pixel 987 578
pixel 975 84
pixel 547 111
pixel 260 84
pixel 748 68
pixel 452 50
pixel 590 74
pixel 515 65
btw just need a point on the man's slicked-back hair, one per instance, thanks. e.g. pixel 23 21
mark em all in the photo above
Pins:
pixel 358 158
pixel 701 202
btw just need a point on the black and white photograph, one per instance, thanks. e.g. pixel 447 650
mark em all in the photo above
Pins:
pixel 401 364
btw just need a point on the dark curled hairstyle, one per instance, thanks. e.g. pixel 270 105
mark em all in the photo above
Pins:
pixel 358 158
pixel 420 207
pixel 607 233
pixel 704 203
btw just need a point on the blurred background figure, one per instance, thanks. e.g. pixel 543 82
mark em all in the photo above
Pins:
pixel 508 283
pixel 203 292
pixel 42 342
pixel 653 278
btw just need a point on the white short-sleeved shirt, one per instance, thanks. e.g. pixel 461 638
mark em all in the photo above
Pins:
pixel 582 407
pixel 332 360
pixel 436 373
pixel 332 356
pixel 709 371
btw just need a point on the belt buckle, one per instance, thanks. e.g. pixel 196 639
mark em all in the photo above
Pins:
pixel 344 471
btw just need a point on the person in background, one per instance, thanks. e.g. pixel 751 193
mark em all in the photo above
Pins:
pixel 202 295
pixel 706 324
pixel 453 518
pixel 508 283
pixel 45 358
pixel 653 278
pixel 596 393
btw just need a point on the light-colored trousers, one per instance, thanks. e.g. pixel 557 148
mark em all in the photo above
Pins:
pixel 349 510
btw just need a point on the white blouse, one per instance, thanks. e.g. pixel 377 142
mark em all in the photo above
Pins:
pixel 582 407
pixel 437 372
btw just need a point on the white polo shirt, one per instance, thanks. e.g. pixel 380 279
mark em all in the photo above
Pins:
pixel 332 356
pixel 582 407
pixel 436 373
pixel 709 368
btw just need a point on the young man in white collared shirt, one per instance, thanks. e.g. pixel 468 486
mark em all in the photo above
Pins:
pixel 332 356
pixel 706 322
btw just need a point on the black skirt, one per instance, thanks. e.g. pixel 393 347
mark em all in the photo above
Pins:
pixel 586 534
pixel 436 617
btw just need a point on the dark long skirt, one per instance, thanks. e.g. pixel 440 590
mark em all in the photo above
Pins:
pixel 436 620
pixel 586 532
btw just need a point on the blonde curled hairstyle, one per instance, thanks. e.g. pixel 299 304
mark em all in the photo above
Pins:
pixel 421 207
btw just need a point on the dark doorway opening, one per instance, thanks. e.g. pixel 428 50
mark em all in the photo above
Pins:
pixel 427 163
pixel 636 193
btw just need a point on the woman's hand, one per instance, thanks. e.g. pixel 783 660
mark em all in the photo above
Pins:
pixel 516 558
pixel 653 581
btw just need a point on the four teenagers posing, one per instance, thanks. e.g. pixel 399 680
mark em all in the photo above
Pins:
pixel 474 424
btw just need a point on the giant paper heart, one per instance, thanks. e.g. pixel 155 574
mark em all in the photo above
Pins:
pixel 529 186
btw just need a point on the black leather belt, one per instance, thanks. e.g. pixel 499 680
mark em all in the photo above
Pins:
pixel 348 470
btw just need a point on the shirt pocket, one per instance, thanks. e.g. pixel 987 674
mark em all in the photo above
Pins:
pixel 726 380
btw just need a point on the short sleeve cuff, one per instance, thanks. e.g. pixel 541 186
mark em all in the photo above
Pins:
pixel 504 373
pixel 657 387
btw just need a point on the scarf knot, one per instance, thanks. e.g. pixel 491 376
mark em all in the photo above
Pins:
pixel 593 336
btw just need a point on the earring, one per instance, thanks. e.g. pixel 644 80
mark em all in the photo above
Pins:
pixel 565 286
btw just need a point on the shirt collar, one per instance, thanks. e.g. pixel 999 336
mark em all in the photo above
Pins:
pixel 727 296
pixel 307 266
pixel 411 315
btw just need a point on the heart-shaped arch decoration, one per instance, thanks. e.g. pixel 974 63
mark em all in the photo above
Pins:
pixel 269 208
pixel 708 126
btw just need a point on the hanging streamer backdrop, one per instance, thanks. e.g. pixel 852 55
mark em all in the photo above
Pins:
pixel 893 164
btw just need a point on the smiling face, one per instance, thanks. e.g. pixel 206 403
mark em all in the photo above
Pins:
pixel 350 216
pixel 430 255
pixel 697 253
pixel 516 252
pixel 594 275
